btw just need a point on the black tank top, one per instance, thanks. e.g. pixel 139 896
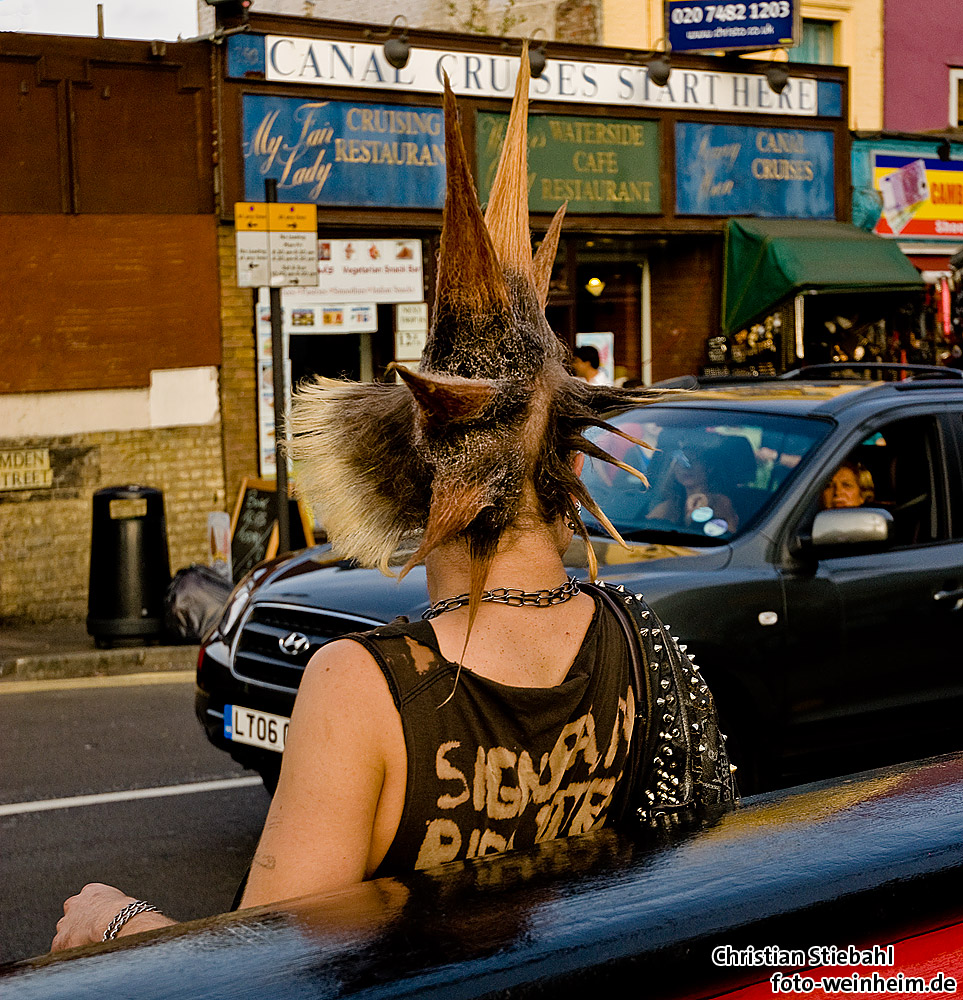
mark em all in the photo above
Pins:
pixel 499 767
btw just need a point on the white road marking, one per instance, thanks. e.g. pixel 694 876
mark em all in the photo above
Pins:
pixel 72 802
pixel 114 680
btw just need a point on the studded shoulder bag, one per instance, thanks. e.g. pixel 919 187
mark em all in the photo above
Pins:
pixel 677 775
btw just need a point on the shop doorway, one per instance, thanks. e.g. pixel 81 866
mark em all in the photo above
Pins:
pixel 601 285
pixel 330 355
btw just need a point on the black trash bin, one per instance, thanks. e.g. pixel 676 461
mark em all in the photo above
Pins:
pixel 129 565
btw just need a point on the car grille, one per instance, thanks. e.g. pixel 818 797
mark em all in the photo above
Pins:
pixel 259 656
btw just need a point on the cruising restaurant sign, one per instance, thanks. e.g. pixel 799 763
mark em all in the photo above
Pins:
pixel 738 170
pixel 707 26
pixel 597 165
pixel 344 152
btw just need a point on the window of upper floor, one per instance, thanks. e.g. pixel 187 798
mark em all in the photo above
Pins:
pixel 956 98
pixel 818 43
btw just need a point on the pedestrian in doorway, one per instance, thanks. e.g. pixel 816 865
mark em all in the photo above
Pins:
pixel 587 365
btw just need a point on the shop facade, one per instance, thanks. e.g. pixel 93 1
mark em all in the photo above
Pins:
pixel 909 191
pixel 111 303
pixel 650 175
pixel 138 354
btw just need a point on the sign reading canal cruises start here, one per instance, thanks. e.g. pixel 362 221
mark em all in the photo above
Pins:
pixel 736 170
pixel 595 164
pixel 344 153
pixel 327 63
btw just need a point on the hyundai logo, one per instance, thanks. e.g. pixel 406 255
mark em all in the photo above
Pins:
pixel 294 643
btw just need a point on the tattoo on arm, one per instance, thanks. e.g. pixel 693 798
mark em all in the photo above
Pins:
pixel 267 861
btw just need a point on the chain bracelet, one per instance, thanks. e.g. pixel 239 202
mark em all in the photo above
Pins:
pixel 513 598
pixel 130 910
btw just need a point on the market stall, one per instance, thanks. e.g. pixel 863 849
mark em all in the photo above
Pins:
pixel 814 291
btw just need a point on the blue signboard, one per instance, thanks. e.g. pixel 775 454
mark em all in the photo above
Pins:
pixel 700 25
pixel 245 55
pixel 344 152
pixel 778 173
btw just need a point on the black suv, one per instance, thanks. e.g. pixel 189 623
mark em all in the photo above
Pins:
pixel 830 637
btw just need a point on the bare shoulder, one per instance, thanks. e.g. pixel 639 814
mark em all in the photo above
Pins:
pixel 343 709
pixel 343 675
pixel 342 656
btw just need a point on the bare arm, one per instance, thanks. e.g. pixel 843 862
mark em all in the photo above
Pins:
pixel 337 803
pixel 87 915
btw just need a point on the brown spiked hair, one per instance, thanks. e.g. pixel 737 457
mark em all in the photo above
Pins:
pixel 487 428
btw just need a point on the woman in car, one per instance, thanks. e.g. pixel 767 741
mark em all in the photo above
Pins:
pixel 691 499
pixel 851 485
pixel 505 718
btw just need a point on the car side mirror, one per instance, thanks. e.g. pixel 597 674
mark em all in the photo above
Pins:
pixel 849 526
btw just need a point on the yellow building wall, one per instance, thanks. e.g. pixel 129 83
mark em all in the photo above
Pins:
pixel 639 24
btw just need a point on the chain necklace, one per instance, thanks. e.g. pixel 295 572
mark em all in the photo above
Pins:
pixel 514 598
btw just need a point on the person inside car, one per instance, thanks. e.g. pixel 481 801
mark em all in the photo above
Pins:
pixel 851 485
pixel 691 499
pixel 504 718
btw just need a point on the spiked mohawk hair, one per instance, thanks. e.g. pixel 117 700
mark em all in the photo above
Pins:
pixel 492 418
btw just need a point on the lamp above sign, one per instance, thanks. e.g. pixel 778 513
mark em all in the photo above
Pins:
pixel 704 26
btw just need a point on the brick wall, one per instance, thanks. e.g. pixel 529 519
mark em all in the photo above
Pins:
pixel 577 21
pixel 238 370
pixel 153 274
pixel 45 534
pixel 686 291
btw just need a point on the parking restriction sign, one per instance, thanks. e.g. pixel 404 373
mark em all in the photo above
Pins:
pixel 277 244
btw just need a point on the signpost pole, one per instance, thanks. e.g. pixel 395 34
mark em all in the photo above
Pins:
pixel 278 354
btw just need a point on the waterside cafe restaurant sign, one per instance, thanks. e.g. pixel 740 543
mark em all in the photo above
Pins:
pixel 369 154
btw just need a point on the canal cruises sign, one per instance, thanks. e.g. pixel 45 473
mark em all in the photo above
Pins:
pixel 323 62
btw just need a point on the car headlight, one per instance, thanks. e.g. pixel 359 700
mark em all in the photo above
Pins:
pixel 240 597
pixel 236 606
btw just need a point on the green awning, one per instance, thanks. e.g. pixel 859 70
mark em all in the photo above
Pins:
pixel 769 259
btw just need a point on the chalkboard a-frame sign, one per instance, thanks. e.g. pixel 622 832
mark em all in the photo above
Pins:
pixel 254 526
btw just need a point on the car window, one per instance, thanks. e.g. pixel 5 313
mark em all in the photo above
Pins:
pixel 896 467
pixel 710 472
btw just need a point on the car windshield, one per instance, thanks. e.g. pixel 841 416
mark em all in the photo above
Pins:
pixel 710 473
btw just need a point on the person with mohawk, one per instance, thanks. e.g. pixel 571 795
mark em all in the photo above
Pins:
pixel 526 705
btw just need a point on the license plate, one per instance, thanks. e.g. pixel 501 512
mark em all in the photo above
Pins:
pixel 258 729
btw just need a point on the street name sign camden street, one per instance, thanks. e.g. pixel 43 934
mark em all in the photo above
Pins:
pixel 25 469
